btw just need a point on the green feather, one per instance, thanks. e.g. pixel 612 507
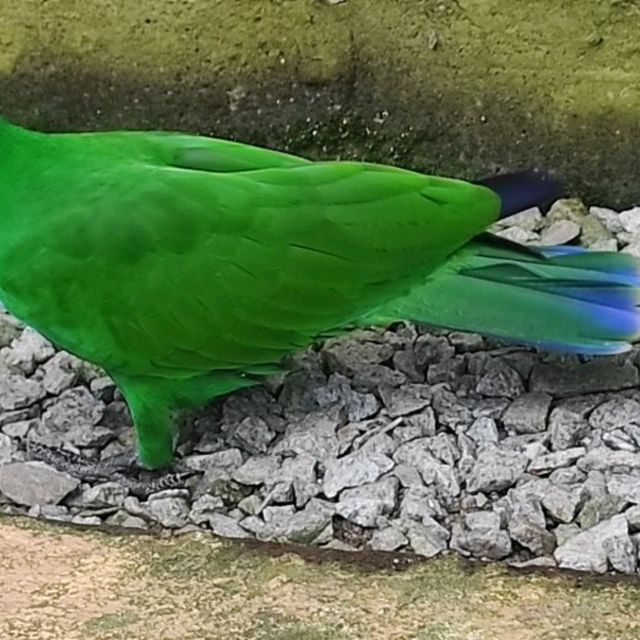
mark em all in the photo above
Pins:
pixel 188 267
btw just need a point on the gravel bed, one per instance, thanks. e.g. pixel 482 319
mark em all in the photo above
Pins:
pixel 396 440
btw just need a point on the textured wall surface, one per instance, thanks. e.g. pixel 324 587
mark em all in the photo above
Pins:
pixel 454 86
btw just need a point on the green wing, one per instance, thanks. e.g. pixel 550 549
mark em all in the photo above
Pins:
pixel 171 255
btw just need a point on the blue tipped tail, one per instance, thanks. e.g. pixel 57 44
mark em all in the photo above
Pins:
pixel 522 190
pixel 557 298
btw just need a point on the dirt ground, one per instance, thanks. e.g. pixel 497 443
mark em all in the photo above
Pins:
pixel 62 583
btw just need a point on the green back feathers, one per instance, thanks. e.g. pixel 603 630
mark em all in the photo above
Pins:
pixel 173 255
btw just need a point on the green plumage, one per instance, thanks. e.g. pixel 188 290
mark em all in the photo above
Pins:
pixel 187 267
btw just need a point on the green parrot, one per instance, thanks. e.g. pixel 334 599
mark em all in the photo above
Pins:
pixel 188 267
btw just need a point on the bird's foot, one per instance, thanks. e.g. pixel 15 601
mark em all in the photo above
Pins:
pixel 123 469
pixel 147 482
pixel 72 463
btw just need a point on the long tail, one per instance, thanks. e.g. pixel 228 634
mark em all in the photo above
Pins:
pixel 560 298
pixel 524 189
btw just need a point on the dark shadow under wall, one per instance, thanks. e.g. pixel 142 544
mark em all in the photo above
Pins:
pixel 457 88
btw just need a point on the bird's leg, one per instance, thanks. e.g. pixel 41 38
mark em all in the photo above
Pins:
pixel 156 429
pixel 149 471
pixel 67 461
pixel 152 402
pixel 122 469
pixel 156 435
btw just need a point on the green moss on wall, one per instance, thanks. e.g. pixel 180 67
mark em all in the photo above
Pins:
pixel 455 86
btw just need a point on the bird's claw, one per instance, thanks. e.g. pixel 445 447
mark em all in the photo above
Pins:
pixel 123 469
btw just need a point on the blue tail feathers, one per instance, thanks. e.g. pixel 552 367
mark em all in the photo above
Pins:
pixel 576 301
pixel 522 190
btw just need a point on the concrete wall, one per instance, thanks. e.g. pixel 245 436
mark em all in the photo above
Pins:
pixel 454 86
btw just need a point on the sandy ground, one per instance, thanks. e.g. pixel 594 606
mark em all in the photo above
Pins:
pixel 61 583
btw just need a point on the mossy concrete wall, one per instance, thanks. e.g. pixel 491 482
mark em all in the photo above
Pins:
pixel 455 86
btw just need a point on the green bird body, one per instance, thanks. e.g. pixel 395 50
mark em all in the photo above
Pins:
pixel 188 267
